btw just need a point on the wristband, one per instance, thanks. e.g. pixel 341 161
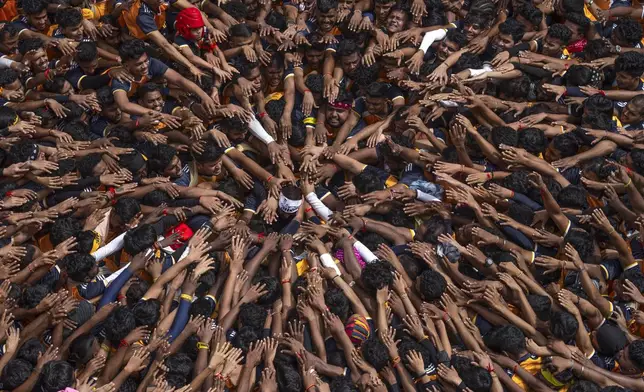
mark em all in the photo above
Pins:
pixel 124 343
pixel 9 194
pixel 47 73
pixel 29 266
pixel 202 346
pixel 136 124
pixel 395 361
pixel 307 91
pixel 262 115
pixel 268 180
pixel 120 297
pixel 309 387
pixel 630 181
pixel 309 209
pixel 187 297
pixel 286 281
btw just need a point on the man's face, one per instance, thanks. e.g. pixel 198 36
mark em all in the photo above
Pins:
pixel 335 117
pixel 552 46
pixel 376 105
pixel 254 76
pixel 10 43
pixel 16 85
pixel 174 168
pixel 139 67
pixel 502 42
pixel 632 114
pixel 551 154
pixel 326 20
pixel 210 168
pixel 274 76
pixel 350 63
pixel 396 21
pixel 445 49
pixel 626 366
pixel 382 10
pixel 89 67
pixel 314 57
pixel 112 113
pixel 626 81
pixel 472 31
pixel 40 61
pixel 236 42
pixel 74 33
pixel 152 100
pixel 237 136
pixel 39 21
pixel 197 33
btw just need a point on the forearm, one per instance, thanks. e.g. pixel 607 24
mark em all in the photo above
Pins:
pixel 316 337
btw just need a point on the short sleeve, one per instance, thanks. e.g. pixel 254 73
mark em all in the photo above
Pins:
pixel 157 68
pixel 74 77
pixel 146 23
pixel 118 85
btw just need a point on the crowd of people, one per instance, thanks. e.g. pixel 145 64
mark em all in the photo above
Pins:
pixel 321 195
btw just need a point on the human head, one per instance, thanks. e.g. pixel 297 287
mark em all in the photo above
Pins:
pixel 629 67
pixel 36 12
pixel 510 33
pixel 69 21
pixel 55 376
pixel 431 285
pixel 327 11
pixel 557 38
pixel 134 57
pixel 190 24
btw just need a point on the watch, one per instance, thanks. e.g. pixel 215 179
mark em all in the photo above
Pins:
pixel 618 48
pixel 488 262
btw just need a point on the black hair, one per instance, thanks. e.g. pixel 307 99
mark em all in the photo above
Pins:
pixel 202 306
pixel 129 385
pixel 30 351
pixel 236 9
pixel 180 364
pixel 457 36
pixel 149 87
pixel 513 28
pixel 252 315
pixel 32 295
pixel 87 164
pixel 435 226
pixel 10 29
pixel 563 326
pixel 582 241
pixel 55 85
pixel 635 276
pixel 162 158
pixel 431 285
pixel 533 140
pixel 368 181
pixel 26 45
pixel 30 7
pixel 505 135
pixel 147 313
pixel 272 287
pixel 85 241
pixel 629 30
pixel 579 75
pixel 131 49
pixel 8 76
pixel 375 352
pixel 104 96
pixel 531 13
pixel 78 131
pixel 325 6
pixel 68 17
pixel 80 350
pixel 567 144
pixel 337 302
pixel 467 60
pixel 541 305
pixel 275 109
pixel 599 103
pixel 315 83
pixel 139 239
pixel 347 47
pixel 475 377
pixel 78 266
pixel 136 291
pixel 7 116
pixel 521 213
pixel 637 155
pixel 595 49
pixel 508 338
pixel 118 324
pixel 245 337
pixel 584 386
pixel 580 20
pixel 156 198
pixel 240 30
pixel 127 208
pixel 376 275
pixel 517 88
pixel 63 228
pixel 55 376
pixel 573 196
pixel 560 31
pixel 15 373
pixel 630 62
